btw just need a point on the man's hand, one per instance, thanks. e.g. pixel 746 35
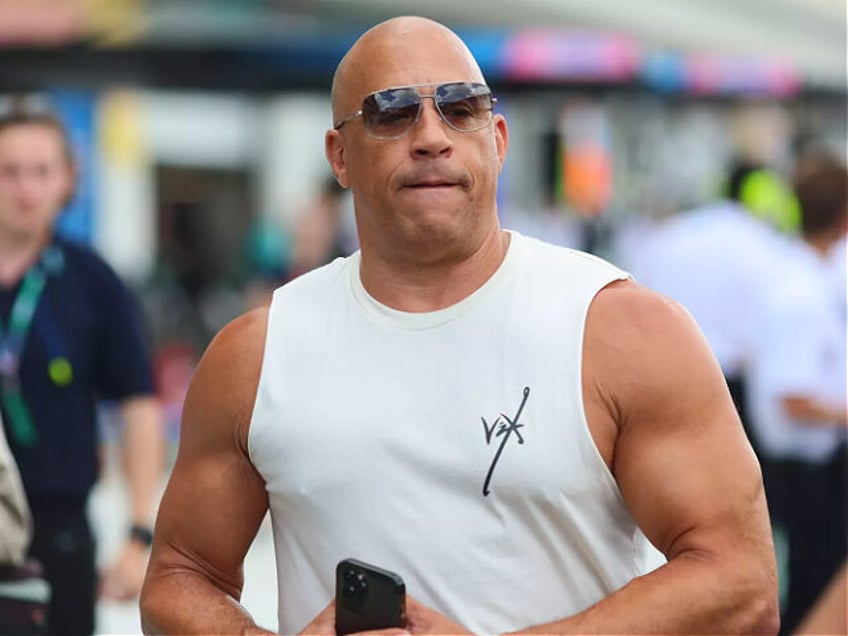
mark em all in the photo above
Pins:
pixel 122 580
pixel 420 620
pixel 324 624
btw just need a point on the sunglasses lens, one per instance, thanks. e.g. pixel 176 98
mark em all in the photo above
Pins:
pixel 391 113
pixel 465 106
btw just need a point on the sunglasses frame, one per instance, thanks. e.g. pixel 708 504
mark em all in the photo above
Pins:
pixel 421 98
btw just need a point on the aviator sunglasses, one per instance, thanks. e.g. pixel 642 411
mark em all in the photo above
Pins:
pixel 392 112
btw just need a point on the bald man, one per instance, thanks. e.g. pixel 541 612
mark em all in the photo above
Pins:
pixel 517 429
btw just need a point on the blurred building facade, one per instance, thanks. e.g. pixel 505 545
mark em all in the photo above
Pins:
pixel 211 113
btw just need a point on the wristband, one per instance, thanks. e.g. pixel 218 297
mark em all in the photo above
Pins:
pixel 141 534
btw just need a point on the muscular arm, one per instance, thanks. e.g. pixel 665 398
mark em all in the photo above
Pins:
pixel 215 500
pixel 660 412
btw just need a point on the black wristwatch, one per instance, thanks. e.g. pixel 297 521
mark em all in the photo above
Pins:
pixel 141 534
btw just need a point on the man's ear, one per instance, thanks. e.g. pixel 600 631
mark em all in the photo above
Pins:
pixel 501 138
pixel 334 151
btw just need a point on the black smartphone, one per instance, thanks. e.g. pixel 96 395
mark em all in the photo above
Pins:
pixel 368 597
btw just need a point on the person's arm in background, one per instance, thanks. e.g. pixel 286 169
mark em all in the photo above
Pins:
pixel 125 377
pixel 812 411
pixel 215 499
pixel 796 332
pixel 142 457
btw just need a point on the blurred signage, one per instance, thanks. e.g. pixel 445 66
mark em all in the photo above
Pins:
pixel 713 74
pixel 717 74
pixel 551 54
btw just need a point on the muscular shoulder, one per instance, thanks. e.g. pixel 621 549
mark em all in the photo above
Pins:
pixel 643 351
pixel 223 388
pixel 624 310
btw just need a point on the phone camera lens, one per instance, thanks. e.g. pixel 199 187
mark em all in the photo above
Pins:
pixel 350 589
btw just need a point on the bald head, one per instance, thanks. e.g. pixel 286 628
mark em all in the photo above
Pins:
pixel 397 52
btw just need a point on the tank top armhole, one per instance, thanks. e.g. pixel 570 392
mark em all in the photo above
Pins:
pixel 254 429
pixel 611 276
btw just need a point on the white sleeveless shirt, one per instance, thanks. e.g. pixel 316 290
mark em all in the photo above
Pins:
pixel 450 447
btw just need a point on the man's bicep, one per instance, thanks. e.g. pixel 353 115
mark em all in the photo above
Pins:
pixel 209 515
pixel 215 500
pixel 682 461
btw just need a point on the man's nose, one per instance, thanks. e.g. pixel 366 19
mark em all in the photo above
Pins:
pixel 430 135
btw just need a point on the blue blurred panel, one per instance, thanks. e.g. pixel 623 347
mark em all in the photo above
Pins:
pixel 77 110
pixel 307 55
pixel 318 52
pixel 663 71
pixel 487 47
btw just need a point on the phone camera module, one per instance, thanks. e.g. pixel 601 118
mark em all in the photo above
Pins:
pixel 355 585
pixel 350 590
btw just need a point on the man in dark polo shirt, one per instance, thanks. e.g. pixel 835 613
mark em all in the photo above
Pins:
pixel 70 335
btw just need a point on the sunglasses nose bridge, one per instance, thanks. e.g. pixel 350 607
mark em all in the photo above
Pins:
pixel 422 106
pixel 435 106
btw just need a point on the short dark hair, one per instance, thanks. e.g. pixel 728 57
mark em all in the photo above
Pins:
pixel 820 182
pixel 25 110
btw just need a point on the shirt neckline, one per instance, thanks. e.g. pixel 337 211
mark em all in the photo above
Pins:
pixel 419 321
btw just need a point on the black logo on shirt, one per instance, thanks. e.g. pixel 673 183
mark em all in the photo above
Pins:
pixel 505 427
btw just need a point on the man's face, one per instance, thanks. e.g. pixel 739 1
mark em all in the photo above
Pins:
pixel 35 179
pixel 434 184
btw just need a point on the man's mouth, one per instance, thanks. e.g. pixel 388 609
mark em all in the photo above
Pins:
pixel 431 184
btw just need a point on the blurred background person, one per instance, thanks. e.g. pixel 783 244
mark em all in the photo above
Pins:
pixel 70 335
pixel 318 234
pixel 716 260
pixel 798 388
pixel 268 249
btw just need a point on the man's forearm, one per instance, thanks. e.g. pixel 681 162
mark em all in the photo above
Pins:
pixel 688 595
pixel 143 455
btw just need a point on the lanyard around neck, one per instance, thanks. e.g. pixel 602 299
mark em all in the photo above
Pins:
pixel 23 309
pixel 12 342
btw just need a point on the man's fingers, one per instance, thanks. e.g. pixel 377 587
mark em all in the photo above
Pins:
pixel 324 624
